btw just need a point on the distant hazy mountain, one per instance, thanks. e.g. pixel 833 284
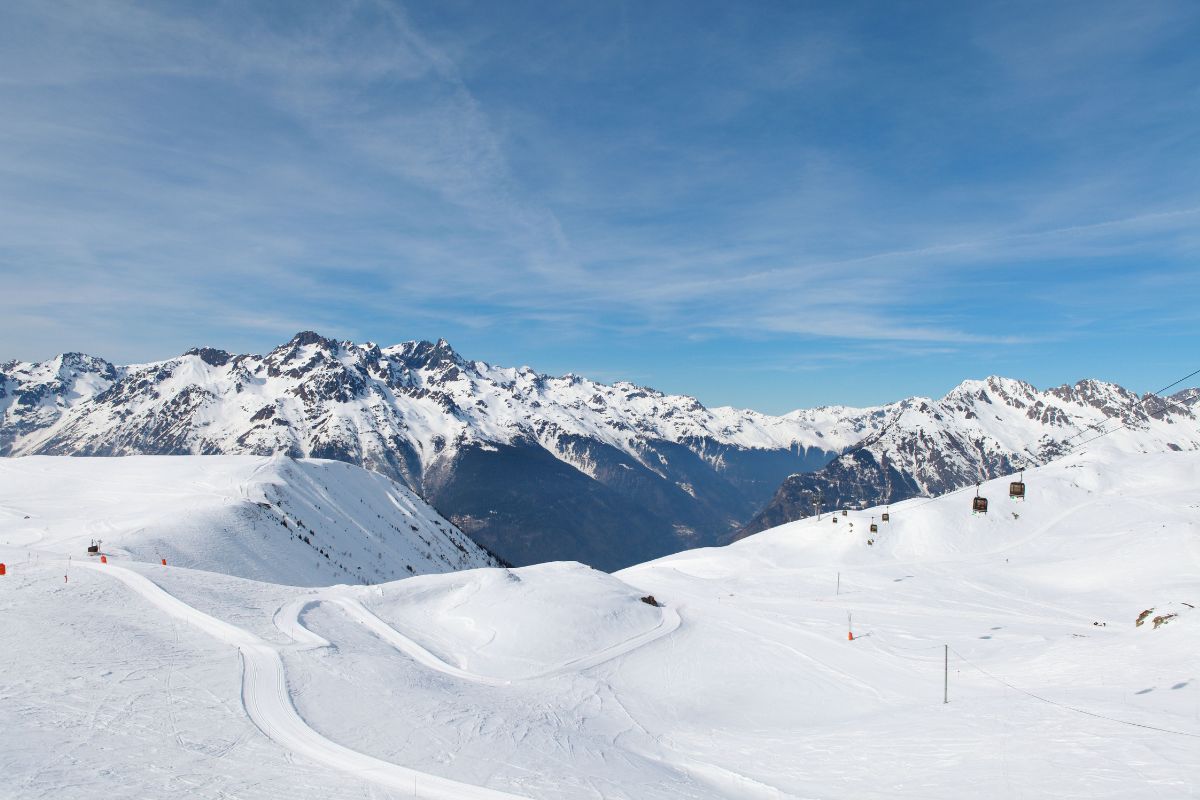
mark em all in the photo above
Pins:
pixel 981 430
pixel 533 467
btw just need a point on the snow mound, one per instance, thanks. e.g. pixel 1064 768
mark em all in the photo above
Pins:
pixel 306 523
pixel 521 623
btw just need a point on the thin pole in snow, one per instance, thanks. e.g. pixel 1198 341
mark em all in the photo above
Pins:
pixel 839 584
pixel 946 677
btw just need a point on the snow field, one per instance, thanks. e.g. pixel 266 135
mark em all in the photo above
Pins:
pixel 555 681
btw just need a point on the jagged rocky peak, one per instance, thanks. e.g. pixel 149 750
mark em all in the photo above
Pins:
pixel 1115 401
pixel 305 352
pixel 426 355
pixel 210 355
pixel 1188 397
pixel 1093 392
pixel 304 338
pixel 69 364
pixel 305 344
pixel 992 389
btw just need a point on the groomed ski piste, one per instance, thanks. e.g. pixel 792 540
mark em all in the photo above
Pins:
pixel 134 679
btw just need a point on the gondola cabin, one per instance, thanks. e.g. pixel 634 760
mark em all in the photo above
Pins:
pixel 835 520
pixel 887 517
pixel 844 512
pixel 1016 489
pixel 874 528
pixel 93 549
pixel 979 505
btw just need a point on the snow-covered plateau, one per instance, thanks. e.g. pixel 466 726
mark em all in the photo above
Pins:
pixel 134 679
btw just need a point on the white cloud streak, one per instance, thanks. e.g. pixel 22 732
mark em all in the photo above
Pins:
pixel 248 173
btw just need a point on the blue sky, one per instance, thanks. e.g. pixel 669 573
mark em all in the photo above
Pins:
pixel 770 205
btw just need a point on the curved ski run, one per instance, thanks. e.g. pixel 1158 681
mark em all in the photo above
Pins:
pixel 268 704
pixel 359 613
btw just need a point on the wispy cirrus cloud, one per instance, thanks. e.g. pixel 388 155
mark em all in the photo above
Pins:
pixel 645 185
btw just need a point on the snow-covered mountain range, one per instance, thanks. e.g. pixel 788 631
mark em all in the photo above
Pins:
pixel 983 429
pixel 539 468
pixel 534 467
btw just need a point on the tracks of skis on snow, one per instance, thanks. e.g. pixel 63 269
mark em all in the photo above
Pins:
pixel 268 703
pixel 287 620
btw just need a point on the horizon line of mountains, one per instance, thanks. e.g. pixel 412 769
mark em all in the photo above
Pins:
pixel 540 468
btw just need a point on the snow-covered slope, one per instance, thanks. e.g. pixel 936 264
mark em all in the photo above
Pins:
pixel 557 681
pixel 981 429
pixel 306 523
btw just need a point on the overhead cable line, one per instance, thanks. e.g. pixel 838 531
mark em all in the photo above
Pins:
pixel 1143 401
pixel 1072 708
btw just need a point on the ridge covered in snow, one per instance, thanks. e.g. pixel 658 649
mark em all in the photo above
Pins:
pixel 426 392
pixel 304 523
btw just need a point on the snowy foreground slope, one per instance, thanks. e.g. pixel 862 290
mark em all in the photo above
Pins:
pixel 556 681
pixel 307 523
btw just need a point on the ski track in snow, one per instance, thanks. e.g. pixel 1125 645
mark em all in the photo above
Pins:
pixel 721 779
pixel 268 703
pixel 369 620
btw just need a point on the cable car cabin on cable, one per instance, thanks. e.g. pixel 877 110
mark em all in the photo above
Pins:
pixel 887 517
pixel 1016 489
pixel 979 504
